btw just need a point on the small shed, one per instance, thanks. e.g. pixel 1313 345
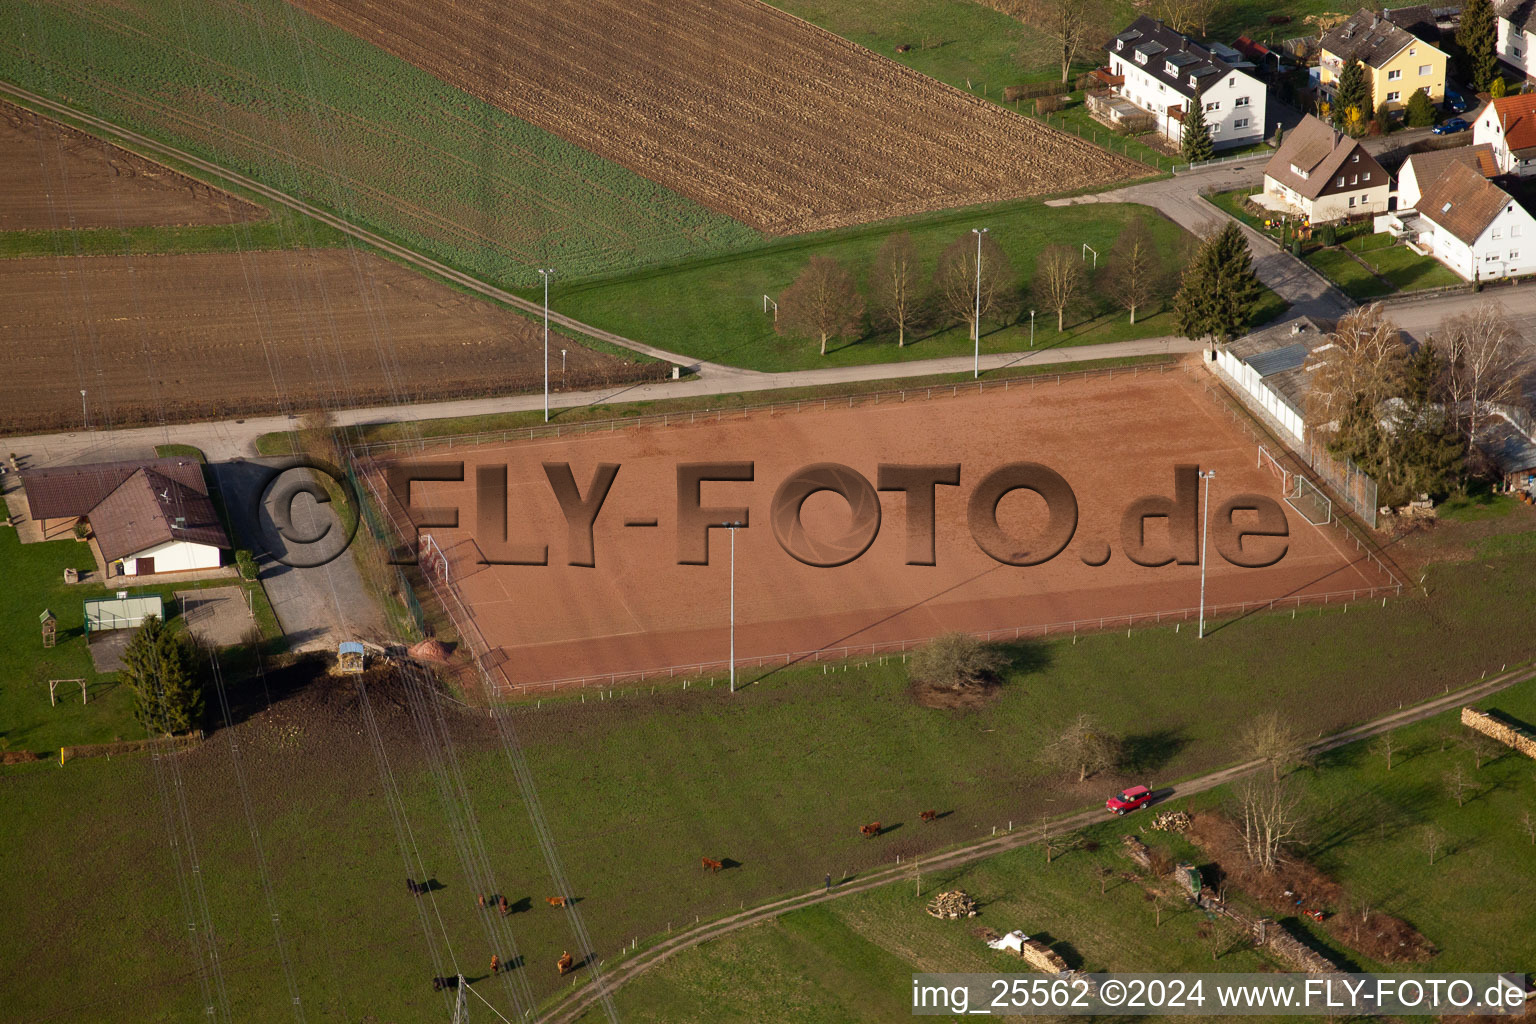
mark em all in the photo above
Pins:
pixel 50 626
pixel 350 657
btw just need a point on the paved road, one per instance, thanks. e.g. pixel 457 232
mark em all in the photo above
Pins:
pixel 573 1007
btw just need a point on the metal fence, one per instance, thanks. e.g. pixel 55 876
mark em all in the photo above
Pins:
pixel 664 419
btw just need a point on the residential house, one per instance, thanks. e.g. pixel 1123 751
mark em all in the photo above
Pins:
pixel 1422 169
pixel 145 517
pixel 1163 71
pixel 1509 126
pixel 1474 227
pixel 1397 62
pixel 1268 368
pixel 1516 33
pixel 1325 175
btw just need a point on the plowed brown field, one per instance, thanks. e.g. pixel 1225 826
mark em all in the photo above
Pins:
pixel 187 336
pixel 53 177
pixel 749 110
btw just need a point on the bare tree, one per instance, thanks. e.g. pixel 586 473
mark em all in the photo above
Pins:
pixel 956 661
pixel 1161 900
pixel 1487 363
pixel 1060 281
pixel 895 285
pixel 1271 816
pixel 1073 26
pixel 1362 364
pixel 1082 747
pixel 955 282
pixel 1104 873
pixel 1385 745
pixel 1528 826
pixel 1189 16
pixel 1135 275
pixel 1056 843
pixel 1482 748
pixel 1270 739
pixel 1457 783
pixel 823 302
pixel 1432 839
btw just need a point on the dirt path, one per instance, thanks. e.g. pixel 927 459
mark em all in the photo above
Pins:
pixel 573 1006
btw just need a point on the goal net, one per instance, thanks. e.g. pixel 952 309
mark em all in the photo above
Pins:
pixel 1315 506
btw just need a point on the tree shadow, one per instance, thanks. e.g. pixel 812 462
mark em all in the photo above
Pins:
pixel 1151 751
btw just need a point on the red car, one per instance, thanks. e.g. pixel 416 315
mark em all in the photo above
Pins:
pixel 1128 800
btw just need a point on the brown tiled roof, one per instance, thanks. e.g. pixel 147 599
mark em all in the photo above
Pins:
pixel 1430 165
pixel 1320 151
pixel 1365 37
pixel 62 492
pixel 1462 202
pixel 150 508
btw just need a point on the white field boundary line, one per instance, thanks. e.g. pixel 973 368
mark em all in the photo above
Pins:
pixel 361 234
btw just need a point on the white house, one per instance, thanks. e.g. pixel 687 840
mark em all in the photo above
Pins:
pixel 1516 33
pixel 145 517
pixel 1508 125
pixel 1474 227
pixel 1324 175
pixel 1422 169
pixel 1268 367
pixel 1163 71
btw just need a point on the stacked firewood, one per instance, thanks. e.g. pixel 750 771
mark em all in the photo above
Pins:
pixel 1172 821
pixel 951 905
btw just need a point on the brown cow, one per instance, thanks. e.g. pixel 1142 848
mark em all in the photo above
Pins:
pixel 566 964
pixel 929 815
pixel 904 47
pixel 711 865
pixel 555 901
pixel 872 829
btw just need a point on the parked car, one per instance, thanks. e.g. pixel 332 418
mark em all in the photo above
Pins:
pixel 1451 127
pixel 1128 800
pixel 1455 102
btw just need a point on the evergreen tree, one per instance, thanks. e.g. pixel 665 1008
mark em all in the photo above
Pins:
pixel 1352 101
pixel 1195 141
pixel 1219 288
pixel 1499 89
pixel 167 698
pixel 1427 451
pixel 1478 37
pixel 1421 110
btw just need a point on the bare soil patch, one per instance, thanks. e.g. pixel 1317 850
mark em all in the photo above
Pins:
pixel 53 177
pixel 163 338
pixel 747 109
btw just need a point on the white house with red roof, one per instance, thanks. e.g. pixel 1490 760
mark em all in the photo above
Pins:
pixel 1509 126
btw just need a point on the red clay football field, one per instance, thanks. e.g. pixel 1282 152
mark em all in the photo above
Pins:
pixel 636 610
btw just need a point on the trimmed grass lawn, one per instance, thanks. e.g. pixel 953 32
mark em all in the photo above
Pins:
pixel 1408 271
pixel 1353 279
pixel 714 310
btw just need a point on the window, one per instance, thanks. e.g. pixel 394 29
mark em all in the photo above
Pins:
pixel 1215 129
pixel 1354 179
pixel 1241 101
pixel 1498 233
pixel 1516 52
pixel 1366 176
pixel 1393 97
pixel 1303 175
pixel 1424 68
pixel 1514 231
pixel 1141 58
pixel 1514 254
pixel 1393 76
pixel 1351 201
pixel 1340 182
pixel 1412 50
pixel 1491 258
pixel 1355 159
pixel 1241 122
pixel 1213 105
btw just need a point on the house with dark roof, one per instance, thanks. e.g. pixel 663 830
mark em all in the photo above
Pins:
pixel 1163 72
pixel 1397 62
pixel 1271 369
pixel 1422 169
pixel 1509 126
pixel 1516 38
pixel 1474 227
pixel 1324 175
pixel 145 517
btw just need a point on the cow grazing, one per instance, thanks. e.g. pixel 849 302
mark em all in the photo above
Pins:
pixel 872 829
pixel 413 888
pixel 904 47
pixel 566 964
pixel 555 901
pixel 711 865
pixel 929 815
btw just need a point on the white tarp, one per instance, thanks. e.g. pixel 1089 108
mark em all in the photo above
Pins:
pixel 1013 942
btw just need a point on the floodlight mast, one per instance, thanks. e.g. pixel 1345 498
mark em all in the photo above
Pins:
pixel 733 527
pixel 976 327
pixel 545 273
pixel 1205 530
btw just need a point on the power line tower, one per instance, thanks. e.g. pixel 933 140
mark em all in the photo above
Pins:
pixel 461 1004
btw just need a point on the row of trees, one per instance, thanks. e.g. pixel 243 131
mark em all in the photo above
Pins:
pixel 825 301
pixel 1075 28
pixel 1405 417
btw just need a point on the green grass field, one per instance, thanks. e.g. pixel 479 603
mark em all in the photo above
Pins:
pixel 265 89
pixel 282 229
pixel 714 310
pixel 776 777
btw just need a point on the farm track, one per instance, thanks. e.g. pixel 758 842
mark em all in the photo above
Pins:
pixel 749 110
pixel 400 252
pixel 573 1007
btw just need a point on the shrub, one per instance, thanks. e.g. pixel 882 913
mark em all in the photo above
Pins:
pixel 1328 235
pixel 246 563
pixel 81 531
pixel 1048 104
pixel 1421 110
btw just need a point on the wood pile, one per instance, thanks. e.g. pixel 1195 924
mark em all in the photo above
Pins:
pixel 1137 851
pixel 952 904
pixel 1041 957
pixel 1172 821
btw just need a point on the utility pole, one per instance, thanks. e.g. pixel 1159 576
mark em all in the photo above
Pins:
pixel 978 232
pixel 545 275
pixel 1205 530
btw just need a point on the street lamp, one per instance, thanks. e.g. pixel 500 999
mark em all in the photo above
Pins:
pixel 976 328
pixel 545 275
pixel 85 417
pixel 733 527
pixel 1031 328
pixel 1205 530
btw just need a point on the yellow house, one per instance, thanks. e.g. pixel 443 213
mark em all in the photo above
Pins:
pixel 1397 62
